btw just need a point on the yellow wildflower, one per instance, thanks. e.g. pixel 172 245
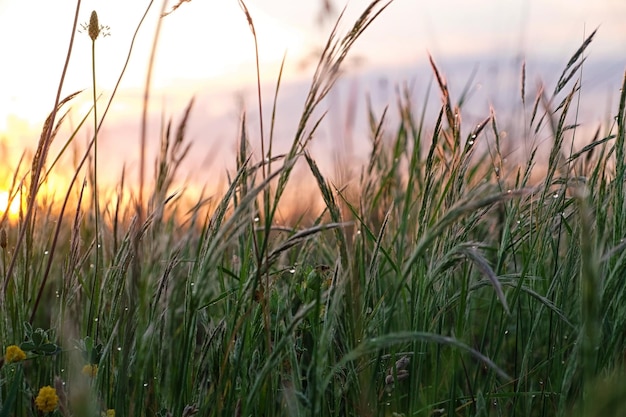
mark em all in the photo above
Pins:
pixel 91 369
pixel 14 354
pixel 47 399
pixel 109 413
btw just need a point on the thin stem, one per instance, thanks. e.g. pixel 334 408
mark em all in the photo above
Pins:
pixel 94 286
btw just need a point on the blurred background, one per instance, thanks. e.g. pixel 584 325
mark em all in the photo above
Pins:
pixel 206 51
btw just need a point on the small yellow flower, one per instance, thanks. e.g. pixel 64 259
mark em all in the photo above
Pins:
pixel 91 369
pixel 108 413
pixel 47 399
pixel 14 354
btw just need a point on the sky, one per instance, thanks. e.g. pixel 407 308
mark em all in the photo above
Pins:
pixel 206 50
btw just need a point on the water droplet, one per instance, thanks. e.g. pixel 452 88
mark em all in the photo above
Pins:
pixel 119 348
pixel 145 384
pixel 470 143
pixel 358 232
pixel 519 221
pixel 96 319
pixel 556 195
pixel 292 271
pixel 256 219
pixel 192 284
pixel 506 332
pixel 62 370
pixel 474 135
pixel 45 252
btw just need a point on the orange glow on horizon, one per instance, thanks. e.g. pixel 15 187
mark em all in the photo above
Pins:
pixel 13 206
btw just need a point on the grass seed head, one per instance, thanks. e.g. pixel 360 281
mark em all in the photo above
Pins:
pixel 94 26
pixel 3 238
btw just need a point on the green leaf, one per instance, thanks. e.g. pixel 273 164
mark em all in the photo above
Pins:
pixel 12 395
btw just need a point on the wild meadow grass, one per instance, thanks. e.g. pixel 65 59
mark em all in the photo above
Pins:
pixel 443 281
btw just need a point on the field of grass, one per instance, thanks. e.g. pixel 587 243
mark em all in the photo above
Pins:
pixel 442 282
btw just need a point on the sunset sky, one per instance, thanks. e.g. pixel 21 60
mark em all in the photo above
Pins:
pixel 206 48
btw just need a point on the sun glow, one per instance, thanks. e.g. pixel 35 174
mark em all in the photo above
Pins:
pixel 13 206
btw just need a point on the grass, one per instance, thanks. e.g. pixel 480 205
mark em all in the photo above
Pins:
pixel 445 282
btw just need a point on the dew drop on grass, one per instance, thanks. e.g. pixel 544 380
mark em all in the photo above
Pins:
pixel 96 319
pixel 45 252
pixel 506 332
pixel 145 384
pixel 192 284
pixel 470 143
pixel 556 195
pixel 292 271
pixel 119 348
